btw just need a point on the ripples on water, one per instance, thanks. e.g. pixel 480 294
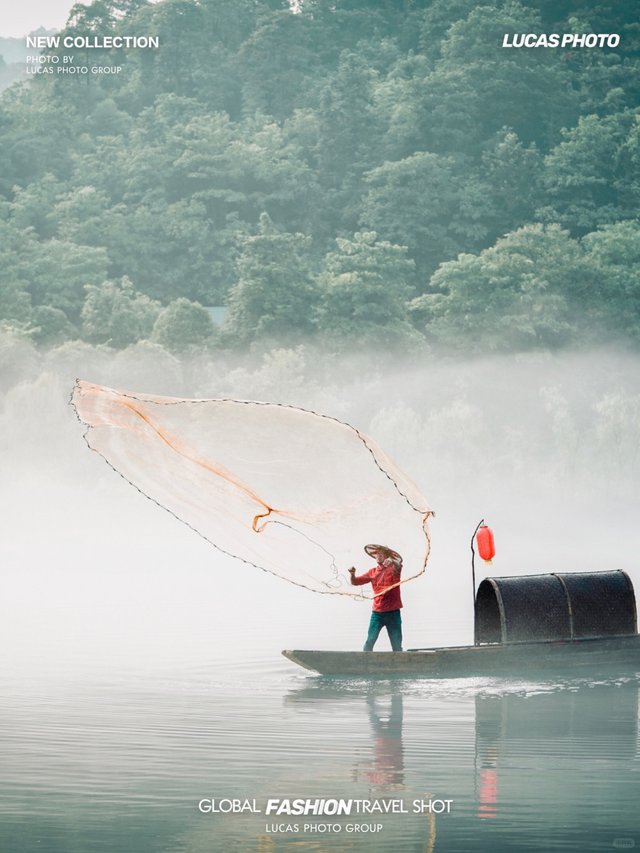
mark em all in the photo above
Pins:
pixel 119 764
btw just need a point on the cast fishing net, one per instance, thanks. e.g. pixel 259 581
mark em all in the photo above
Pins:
pixel 292 492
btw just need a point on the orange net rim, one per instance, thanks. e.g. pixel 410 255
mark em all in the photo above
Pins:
pixel 371 446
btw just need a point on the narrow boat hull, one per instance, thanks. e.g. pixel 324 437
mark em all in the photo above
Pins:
pixel 585 657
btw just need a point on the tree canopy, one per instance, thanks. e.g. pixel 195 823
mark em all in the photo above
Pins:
pixel 326 166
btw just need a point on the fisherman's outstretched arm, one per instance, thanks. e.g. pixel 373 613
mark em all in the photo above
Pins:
pixel 358 580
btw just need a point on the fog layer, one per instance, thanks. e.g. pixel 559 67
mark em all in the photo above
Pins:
pixel 544 447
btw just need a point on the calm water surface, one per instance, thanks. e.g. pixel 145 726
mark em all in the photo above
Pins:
pixel 120 764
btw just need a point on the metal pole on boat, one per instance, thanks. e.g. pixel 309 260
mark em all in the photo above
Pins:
pixel 473 579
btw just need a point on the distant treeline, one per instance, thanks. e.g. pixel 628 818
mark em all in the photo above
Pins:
pixel 351 173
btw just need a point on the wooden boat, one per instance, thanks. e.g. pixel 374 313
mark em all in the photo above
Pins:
pixel 554 624
pixel 586 657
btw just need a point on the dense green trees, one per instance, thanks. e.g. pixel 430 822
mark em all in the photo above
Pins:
pixel 613 257
pixel 15 299
pixel 275 296
pixel 250 160
pixel 183 326
pixel 515 295
pixel 115 314
pixel 367 285
pixel 538 287
pixel 590 178
pixel 421 202
pixel 15 304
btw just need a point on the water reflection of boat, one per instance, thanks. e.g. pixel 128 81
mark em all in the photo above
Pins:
pixel 561 756
pixel 570 624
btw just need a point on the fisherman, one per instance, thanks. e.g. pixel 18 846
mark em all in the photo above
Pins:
pixel 385 581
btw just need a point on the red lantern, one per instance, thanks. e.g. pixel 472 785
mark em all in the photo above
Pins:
pixel 486 546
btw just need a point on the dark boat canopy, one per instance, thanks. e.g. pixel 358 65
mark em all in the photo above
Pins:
pixel 555 607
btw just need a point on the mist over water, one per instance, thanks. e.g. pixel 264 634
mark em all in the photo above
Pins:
pixel 141 667
pixel 544 447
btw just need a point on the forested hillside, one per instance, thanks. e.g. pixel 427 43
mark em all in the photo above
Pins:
pixel 355 174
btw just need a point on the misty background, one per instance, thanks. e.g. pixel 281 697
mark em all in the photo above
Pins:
pixel 544 447
pixel 33 14
pixel 368 209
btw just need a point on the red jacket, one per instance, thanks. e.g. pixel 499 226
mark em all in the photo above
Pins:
pixel 381 578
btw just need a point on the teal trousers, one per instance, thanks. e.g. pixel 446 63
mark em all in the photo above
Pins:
pixel 390 620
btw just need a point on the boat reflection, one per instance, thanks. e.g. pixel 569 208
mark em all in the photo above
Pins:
pixel 530 766
pixel 557 762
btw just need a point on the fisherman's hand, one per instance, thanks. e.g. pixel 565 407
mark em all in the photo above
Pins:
pixel 352 570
